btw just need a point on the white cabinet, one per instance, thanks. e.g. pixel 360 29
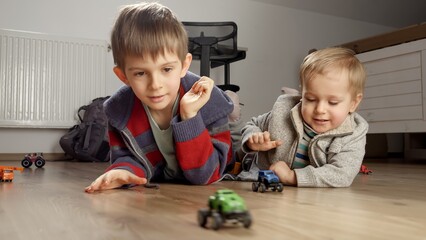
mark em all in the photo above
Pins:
pixel 395 92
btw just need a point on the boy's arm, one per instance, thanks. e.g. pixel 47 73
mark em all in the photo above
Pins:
pixel 122 157
pixel 341 167
pixel 255 125
pixel 202 155
pixel 123 171
pixel 114 179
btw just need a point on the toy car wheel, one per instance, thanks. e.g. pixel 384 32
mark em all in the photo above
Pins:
pixel 280 187
pixel 254 186
pixel 39 162
pixel 262 188
pixel 26 163
pixel 247 220
pixel 217 221
pixel 202 217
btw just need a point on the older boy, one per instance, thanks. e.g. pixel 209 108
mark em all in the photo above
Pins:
pixel 166 124
pixel 317 139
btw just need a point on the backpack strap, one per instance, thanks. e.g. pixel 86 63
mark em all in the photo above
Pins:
pixel 87 137
pixel 82 108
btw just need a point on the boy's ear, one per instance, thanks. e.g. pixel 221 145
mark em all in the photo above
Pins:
pixel 120 74
pixel 356 102
pixel 186 64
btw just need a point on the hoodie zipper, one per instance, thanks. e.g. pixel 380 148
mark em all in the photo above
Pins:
pixel 142 160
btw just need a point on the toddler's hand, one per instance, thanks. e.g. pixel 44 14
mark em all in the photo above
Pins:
pixel 196 98
pixel 114 179
pixel 262 142
pixel 284 173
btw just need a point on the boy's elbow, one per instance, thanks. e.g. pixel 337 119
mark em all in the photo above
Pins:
pixel 342 183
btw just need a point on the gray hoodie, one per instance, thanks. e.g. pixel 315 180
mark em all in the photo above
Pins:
pixel 335 156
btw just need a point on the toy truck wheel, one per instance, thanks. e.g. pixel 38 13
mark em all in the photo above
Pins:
pixel 247 220
pixel 202 217
pixel 280 187
pixel 39 162
pixel 26 163
pixel 262 188
pixel 254 186
pixel 217 221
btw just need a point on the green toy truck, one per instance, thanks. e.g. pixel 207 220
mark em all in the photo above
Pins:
pixel 224 206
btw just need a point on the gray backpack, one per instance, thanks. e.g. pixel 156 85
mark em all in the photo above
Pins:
pixel 88 141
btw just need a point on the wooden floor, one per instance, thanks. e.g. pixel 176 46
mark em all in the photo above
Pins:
pixel 50 203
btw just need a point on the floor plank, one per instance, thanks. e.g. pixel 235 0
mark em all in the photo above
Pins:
pixel 50 203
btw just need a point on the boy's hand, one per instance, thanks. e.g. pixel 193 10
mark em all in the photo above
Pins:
pixel 114 179
pixel 262 142
pixel 284 173
pixel 196 98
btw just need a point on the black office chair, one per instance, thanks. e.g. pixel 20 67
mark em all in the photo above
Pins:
pixel 215 44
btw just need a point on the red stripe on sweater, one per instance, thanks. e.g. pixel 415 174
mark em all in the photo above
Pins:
pixel 226 138
pixel 138 122
pixel 215 176
pixel 194 153
pixel 115 139
pixel 137 171
pixel 154 157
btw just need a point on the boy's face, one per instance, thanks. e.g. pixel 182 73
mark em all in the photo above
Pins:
pixel 327 100
pixel 155 83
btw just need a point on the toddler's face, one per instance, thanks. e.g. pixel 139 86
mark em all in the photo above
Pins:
pixel 327 100
pixel 155 82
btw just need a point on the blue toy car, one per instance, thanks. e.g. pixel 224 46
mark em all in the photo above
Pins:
pixel 265 180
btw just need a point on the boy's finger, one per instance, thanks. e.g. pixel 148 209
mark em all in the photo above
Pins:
pixel 278 143
pixel 267 136
pixel 94 186
pixel 138 180
pixel 260 138
pixel 89 189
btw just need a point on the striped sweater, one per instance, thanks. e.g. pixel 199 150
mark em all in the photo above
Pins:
pixel 202 143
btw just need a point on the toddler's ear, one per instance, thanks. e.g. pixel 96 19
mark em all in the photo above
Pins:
pixel 120 74
pixel 355 102
pixel 287 90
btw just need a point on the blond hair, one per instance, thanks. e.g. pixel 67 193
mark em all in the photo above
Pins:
pixel 319 61
pixel 147 29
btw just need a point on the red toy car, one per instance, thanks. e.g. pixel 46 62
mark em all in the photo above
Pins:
pixel 36 158
pixel 365 170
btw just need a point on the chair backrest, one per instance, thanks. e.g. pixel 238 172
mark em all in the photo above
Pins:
pixel 221 36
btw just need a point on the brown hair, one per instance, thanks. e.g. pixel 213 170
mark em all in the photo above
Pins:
pixel 147 29
pixel 319 61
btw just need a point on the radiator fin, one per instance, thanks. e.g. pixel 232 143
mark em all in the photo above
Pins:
pixel 44 78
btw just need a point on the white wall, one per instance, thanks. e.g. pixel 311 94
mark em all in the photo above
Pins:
pixel 277 39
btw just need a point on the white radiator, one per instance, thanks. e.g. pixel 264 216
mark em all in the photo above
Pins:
pixel 45 78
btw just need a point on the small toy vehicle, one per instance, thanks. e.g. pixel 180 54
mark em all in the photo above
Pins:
pixel 224 206
pixel 267 179
pixel 6 173
pixel 365 170
pixel 36 158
